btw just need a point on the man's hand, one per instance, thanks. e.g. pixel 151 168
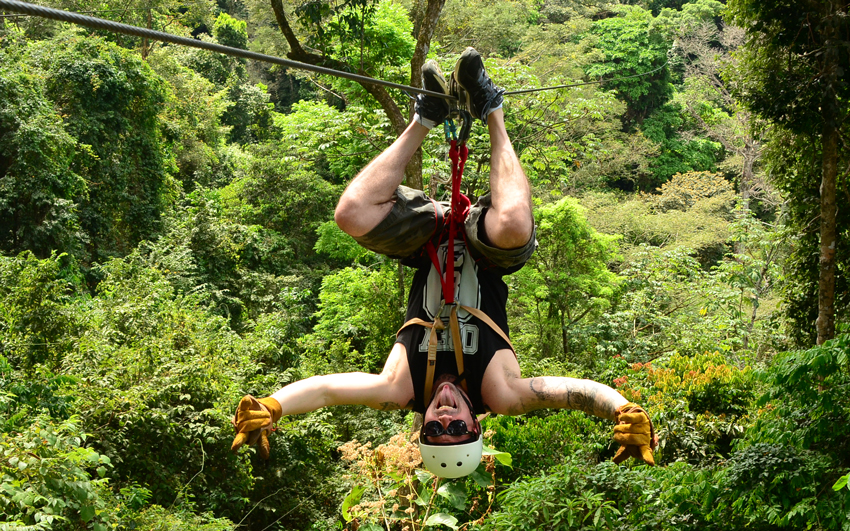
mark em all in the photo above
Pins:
pixel 635 433
pixel 253 421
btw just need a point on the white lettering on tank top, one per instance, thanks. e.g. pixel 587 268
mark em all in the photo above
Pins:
pixel 467 293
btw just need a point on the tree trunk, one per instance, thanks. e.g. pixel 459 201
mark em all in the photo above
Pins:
pixel 828 207
pixel 565 342
pixel 425 32
pixel 828 236
pixel 749 154
pixel 745 188
pixel 423 40
pixel 145 49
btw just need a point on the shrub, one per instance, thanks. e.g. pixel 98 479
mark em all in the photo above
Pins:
pixel 537 443
pixel 34 323
pixel 699 404
pixel 50 480
pixel 806 402
pixel 772 486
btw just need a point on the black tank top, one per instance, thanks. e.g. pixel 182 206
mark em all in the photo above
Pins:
pixel 477 286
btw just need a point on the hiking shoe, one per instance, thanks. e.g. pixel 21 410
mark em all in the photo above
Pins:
pixel 473 87
pixel 431 109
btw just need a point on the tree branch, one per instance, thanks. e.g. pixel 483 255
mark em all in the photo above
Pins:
pixel 298 53
pixel 397 118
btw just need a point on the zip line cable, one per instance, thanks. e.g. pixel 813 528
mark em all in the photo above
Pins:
pixel 526 91
pixel 116 27
pixel 116 10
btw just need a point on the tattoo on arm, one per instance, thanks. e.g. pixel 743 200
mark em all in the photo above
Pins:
pixel 570 393
pixel 542 394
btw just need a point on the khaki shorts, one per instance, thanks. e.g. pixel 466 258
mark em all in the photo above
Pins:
pixel 416 218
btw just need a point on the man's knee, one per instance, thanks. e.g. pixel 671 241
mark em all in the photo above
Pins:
pixel 510 228
pixel 346 216
pixel 356 217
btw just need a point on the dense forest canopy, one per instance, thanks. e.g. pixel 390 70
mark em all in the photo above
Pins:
pixel 167 245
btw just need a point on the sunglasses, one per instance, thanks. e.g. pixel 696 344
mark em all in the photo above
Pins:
pixel 455 428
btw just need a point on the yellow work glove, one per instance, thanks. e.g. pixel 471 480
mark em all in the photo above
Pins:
pixel 635 433
pixel 253 421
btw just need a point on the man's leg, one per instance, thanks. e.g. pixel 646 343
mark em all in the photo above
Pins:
pixel 370 196
pixel 509 222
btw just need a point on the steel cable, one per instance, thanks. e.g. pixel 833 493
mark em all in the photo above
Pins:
pixel 117 27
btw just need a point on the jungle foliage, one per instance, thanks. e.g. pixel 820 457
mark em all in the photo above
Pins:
pixel 167 245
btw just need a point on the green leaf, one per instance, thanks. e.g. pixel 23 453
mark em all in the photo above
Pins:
pixel 455 493
pixel 87 513
pixel 351 500
pixel 421 500
pixel 481 477
pixel 502 457
pixel 841 483
pixel 442 519
pixel 101 471
pixel 423 476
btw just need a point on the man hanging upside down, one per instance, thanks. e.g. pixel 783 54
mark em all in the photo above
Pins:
pixel 476 368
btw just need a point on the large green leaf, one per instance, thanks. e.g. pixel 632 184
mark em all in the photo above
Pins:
pixel 87 513
pixel 481 477
pixel 455 493
pixel 351 500
pixel 502 457
pixel 442 519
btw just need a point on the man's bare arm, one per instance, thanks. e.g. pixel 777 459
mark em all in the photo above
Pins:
pixel 353 388
pixel 392 389
pixel 528 394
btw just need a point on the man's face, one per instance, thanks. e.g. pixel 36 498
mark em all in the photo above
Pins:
pixel 448 405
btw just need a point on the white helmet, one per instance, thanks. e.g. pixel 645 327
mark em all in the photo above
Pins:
pixel 452 460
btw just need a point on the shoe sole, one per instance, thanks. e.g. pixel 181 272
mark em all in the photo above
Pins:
pixel 463 96
pixel 438 77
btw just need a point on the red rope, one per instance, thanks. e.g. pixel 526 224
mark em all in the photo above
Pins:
pixel 459 210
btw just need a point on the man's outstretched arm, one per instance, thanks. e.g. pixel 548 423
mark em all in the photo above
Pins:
pixel 352 388
pixel 506 393
pixel 541 392
pixel 392 389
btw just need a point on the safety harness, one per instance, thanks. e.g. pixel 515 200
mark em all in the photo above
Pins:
pixel 460 205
